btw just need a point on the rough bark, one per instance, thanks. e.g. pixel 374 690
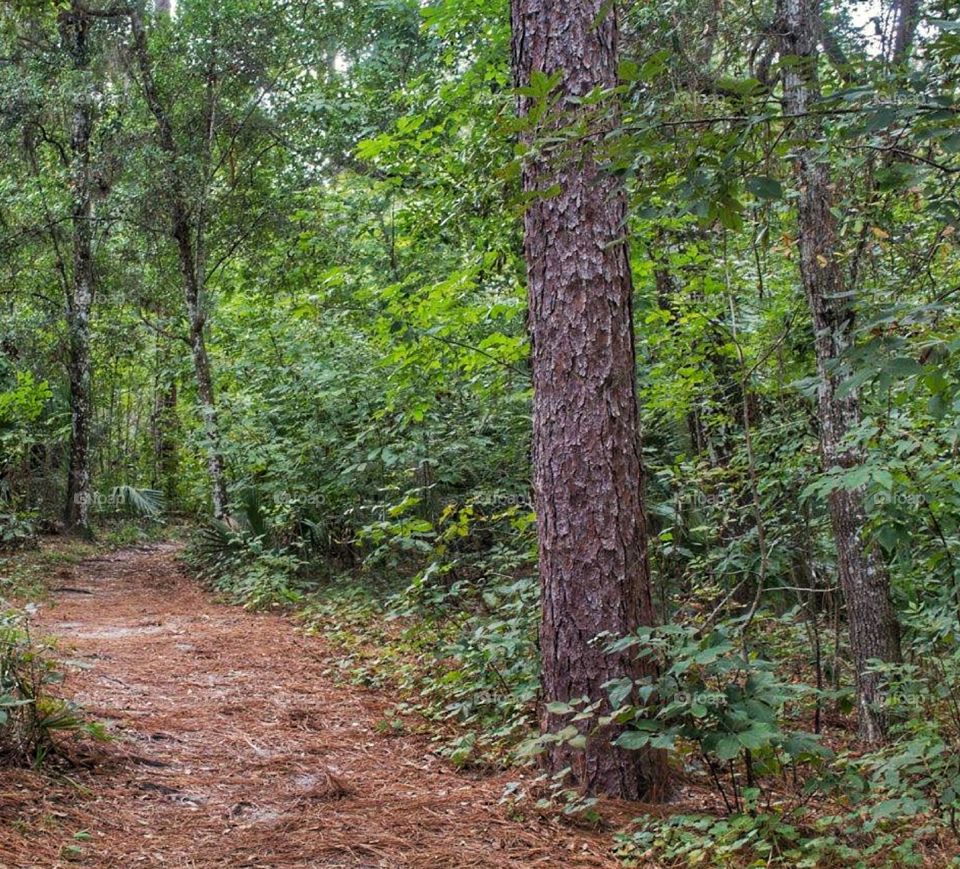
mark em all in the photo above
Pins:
pixel 184 231
pixel 164 424
pixel 74 31
pixel 873 626
pixel 907 18
pixel 586 455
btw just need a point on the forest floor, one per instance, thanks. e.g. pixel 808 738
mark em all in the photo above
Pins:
pixel 237 746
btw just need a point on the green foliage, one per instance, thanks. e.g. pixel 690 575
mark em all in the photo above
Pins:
pixel 262 579
pixel 767 837
pixel 30 716
pixel 22 426
pixel 919 772
pixel 16 532
pixel 875 807
pixel 25 402
pixel 354 180
pixel 690 840
pixel 714 703
pixel 243 566
pixel 472 674
pixel 143 502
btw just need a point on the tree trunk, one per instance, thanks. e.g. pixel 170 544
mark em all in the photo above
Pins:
pixel 73 29
pixel 183 232
pixel 164 424
pixel 874 630
pixel 205 395
pixel 586 453
pixel 907 14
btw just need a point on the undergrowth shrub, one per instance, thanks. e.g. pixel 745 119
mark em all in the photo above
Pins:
pixel 918 773
pixel 475 613
pixel 245 568
pixel 787 837
pixel 716 707
pixel 17 531
pixel 244 560
pixel 266 579
pixel 725 716
pixel 30 716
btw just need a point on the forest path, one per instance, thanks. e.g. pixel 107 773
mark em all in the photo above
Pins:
pixel 236 749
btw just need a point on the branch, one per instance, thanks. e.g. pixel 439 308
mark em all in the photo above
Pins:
pixel 834 51
pixel 159 330
pixel 908 155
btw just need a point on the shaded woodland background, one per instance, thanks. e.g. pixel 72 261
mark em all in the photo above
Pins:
pixel 263 270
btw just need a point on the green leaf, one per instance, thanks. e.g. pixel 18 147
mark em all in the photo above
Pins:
pixel 756 737
pixel 727 748
pixel 628 70
pixel 903 366
pixel 764 187
pixel 633 740
pixel 618 690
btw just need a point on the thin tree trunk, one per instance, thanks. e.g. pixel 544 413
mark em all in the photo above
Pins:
pixel 74 27
pixel 587 471
pixel 874 630
pixel 182 230
pixel 164 424
pixel 907 18
pixel 205 394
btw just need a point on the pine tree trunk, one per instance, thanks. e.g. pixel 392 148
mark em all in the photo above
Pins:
pixel 874 630
pixel 907 16
pixel 587 471
pixel 73 29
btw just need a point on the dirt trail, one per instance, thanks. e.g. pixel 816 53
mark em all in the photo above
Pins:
pixel 235 749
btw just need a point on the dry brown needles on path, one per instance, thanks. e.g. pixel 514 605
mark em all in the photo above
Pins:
pixel 234 749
